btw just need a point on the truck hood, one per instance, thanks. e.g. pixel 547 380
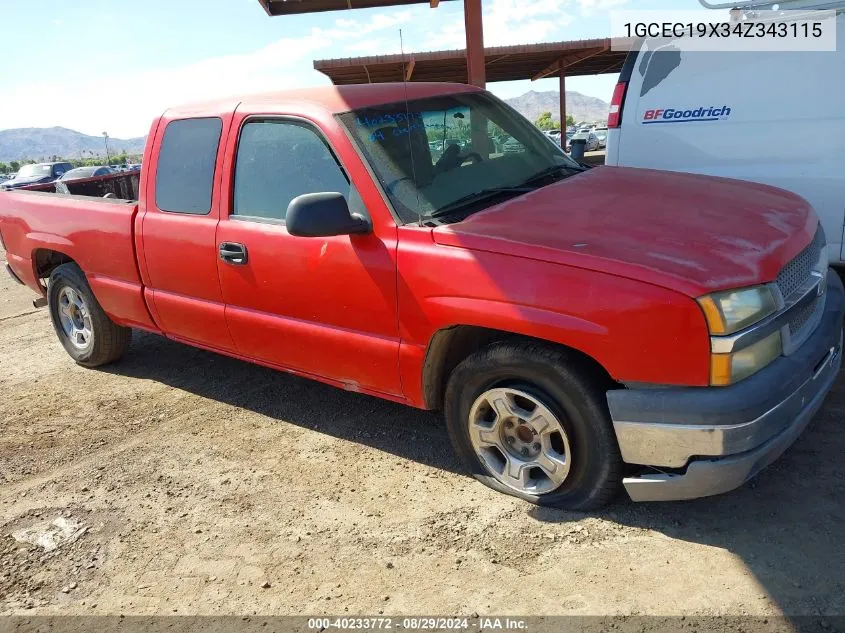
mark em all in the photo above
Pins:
pixel 694 234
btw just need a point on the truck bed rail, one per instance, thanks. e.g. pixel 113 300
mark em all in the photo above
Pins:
pixel 122 185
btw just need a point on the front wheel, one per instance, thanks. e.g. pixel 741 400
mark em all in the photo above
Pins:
pixel 531 420
pixel 84 329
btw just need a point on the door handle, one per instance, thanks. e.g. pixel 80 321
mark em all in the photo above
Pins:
pixel 233 253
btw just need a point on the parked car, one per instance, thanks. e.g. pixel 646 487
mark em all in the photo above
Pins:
pixel 437 146
pixel 86 172
pixel 512 146
pixel 601 135
pixel 554 135
pixel 561 318
pixel 37 173
pixel 553 141
pixel 591 139
pixel 714 103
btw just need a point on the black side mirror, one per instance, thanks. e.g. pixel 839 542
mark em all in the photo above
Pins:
pixel 323 215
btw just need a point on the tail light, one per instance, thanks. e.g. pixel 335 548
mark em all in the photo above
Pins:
pixel 614 117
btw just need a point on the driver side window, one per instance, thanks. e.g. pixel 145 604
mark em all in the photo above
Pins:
pixel 278 160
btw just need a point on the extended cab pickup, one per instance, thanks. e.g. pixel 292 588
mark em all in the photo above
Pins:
pixel 580 328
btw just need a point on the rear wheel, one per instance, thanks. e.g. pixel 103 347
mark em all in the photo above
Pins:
pixel 84 329
pixel 531 421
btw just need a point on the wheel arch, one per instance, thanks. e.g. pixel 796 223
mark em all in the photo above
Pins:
pixel 451 345
pixel 45 261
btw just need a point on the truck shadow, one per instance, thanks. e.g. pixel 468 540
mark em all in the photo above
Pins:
pixel 387 426
pixel 787 526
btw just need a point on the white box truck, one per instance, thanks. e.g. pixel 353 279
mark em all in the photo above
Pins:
pixel 776 118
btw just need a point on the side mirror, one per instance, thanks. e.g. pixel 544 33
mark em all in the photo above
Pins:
pixel 323 215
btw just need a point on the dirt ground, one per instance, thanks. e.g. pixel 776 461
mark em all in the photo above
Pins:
pixel 206 485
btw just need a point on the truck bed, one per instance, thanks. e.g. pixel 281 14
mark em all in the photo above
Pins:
pixel 40 229
pixel 122 185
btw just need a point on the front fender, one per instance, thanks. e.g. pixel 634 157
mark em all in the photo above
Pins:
pixel 518 319
pixel 636 331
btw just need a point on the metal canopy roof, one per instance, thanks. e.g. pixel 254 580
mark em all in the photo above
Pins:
pixel 503 63
pixel 290 7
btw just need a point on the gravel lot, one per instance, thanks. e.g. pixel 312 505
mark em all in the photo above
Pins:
pixel 207 485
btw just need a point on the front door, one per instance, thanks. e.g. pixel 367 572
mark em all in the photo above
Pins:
pixel 321 306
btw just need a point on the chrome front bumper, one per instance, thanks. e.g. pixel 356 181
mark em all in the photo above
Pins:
pixel 705 441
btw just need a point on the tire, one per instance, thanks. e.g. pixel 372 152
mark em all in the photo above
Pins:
pixel 87 333
pixel 567 388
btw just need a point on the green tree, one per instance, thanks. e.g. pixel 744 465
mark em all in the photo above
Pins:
pixel 462 130
pixel 494 130
pixel 570 120
pixel 545 122
pixel 4 168
pixel 434 135
pixel 15 166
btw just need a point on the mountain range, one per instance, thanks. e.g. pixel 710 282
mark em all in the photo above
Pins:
pixel 45 142
pixel 532 104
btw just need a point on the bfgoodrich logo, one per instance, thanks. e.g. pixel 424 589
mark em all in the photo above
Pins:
pixel 674 115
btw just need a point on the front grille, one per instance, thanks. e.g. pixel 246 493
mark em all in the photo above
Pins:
pixel 800 318
pixel 790 281
pixel 796 272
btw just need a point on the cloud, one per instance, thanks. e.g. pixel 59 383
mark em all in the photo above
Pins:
pixel 507 23
pixel 107 98
pixel 353 28
pixel 125 105
pixel 591 7
pixel 370 47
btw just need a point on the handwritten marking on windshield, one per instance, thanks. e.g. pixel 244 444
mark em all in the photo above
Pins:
pixel 388 118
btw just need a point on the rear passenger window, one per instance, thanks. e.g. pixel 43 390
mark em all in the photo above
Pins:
pixel 280 160
pixel 186 160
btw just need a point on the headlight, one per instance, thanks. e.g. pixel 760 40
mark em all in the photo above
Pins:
pixel 726 369
pixel 732 310
pixel 728 312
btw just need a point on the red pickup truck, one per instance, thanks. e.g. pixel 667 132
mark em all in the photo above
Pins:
pixel 580 328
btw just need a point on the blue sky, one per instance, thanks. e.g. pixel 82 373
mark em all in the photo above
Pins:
pixel 114 65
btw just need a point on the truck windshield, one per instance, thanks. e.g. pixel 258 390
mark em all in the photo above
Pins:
pixel 28 171
pixel 454 154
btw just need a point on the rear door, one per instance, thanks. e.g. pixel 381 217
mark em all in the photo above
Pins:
pixel 178 231
pixel 322 306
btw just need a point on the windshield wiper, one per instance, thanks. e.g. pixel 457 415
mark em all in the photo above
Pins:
pixel 485 194
pixel 478 196
pixel 553 170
